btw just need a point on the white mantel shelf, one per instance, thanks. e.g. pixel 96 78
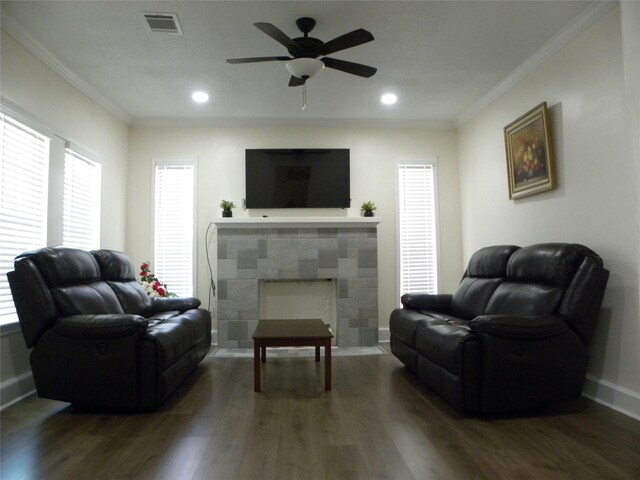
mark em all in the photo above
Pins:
pixel 296 222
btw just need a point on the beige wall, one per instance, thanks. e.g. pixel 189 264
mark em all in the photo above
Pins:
pixel 596 202
pixel 220 154
pixel 42 95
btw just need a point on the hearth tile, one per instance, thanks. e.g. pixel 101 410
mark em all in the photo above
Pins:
pixel 367 336
pixel 248 313
pixel 237 330
pixel 227 268
pixel 343 288
pixel 328 273
pixel 328 232
pixel 308 268
pixel 347 267
pixel 358 323
pixel 287 274
pixel 367 273
pixel 248 273
pixel 247 259
pixel 262 248
pixel 227 310
pixel 267 268
pixel 221 290
pixel 367 258
pixel 327 258
pixel 343 248
pixel 222 248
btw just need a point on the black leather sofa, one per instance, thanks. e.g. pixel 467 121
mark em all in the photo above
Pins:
pixel 515 334
pixel 98 340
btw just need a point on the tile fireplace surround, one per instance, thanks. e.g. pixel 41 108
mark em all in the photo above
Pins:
pixel 253 249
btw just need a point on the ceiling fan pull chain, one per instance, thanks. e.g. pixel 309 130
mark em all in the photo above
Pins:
pixel 304 97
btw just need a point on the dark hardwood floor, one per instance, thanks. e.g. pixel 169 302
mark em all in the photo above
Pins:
pixel 378 422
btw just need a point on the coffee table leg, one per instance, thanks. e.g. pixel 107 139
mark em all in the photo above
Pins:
pixel 256 366
pixel 317 353
pixel 327 365
pixel 264 354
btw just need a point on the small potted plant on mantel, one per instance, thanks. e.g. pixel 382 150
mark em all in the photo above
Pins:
pixel 367 208
pixel 226 206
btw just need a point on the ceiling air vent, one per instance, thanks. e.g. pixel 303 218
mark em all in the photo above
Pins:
pixel 163 23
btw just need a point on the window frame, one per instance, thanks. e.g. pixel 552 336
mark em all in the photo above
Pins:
pixel 433 163
pixel 80 154
pixel 175 161
pixel 55 182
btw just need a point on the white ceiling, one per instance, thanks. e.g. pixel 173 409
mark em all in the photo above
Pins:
pixel 443 59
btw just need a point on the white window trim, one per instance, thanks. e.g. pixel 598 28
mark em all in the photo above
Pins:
pixel 178 160
pixel 96 169
pixel 55 177
pixel 432 161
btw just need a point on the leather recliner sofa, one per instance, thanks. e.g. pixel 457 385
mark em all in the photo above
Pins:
pixel 97 338
pixel 515 334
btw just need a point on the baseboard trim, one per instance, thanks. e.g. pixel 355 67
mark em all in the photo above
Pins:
pixel 16 389
pixel 618 398
pixel 383 335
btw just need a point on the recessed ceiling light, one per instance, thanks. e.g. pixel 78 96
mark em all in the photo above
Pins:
pixel 200 97
pixel 389 98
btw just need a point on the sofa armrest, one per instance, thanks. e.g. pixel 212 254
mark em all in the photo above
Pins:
pixel 164 304
pixel 523 327
pixel 425 301
pixel 100 326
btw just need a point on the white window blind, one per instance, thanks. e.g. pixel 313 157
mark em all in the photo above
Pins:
pixel 417 232
pixel 174 225
pixel 23 199
pixel 81 203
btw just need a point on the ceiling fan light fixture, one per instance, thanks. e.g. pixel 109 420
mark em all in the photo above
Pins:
pixel 200 97
pixel 389 98
pixel 304 67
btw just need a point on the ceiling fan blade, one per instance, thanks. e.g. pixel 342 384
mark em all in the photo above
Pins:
pixel 348 40
pixel 256 59
pixel 278 35
pixel 296 82
pixel 349 67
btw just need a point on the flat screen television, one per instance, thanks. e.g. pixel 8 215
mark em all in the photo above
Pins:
pixel 297 178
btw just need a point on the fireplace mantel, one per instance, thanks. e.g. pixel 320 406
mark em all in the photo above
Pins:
pixel 296 222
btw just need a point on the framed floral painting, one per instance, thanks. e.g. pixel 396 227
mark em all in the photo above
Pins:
pixel 529 157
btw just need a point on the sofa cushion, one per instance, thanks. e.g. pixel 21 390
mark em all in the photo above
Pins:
pixel 90 298
pixel 118 272
pixel 62 266
pixel 524 299
pixel 404 323
pixel 490 262
pixel 114 265
pixel 472 295
pixel 176 335
pixel 132 297
pixel 550 264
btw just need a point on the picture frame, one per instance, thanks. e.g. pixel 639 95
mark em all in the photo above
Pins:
pixel 530 162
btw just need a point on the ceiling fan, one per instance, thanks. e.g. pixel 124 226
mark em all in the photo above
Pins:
pixel 303 62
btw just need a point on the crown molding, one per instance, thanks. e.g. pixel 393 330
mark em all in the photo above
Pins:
pixel 589 16
pixel 19 33
pixel 405 124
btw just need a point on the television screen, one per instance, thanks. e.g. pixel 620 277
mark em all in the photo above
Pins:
pixel 301 178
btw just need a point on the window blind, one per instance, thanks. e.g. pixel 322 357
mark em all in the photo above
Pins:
pixel 173 226
pixel 417 232
pixel 81 202
pixel 23 199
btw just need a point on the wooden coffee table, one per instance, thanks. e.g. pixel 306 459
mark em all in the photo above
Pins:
pixel 291 333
